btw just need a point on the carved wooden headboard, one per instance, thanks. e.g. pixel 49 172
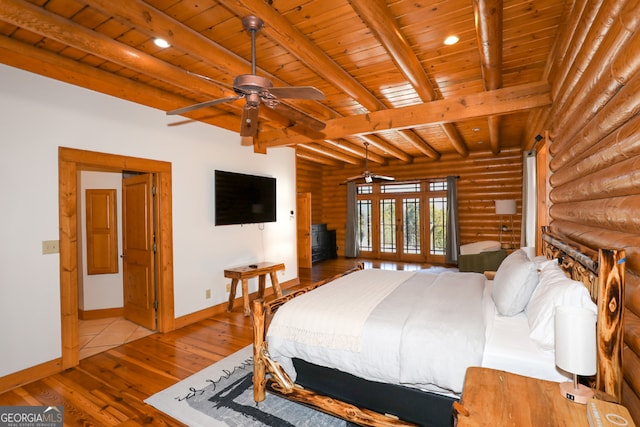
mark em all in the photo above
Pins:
pixel 602 272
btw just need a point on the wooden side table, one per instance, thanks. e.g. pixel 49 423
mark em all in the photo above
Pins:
pixel 496 398
pixel 245 273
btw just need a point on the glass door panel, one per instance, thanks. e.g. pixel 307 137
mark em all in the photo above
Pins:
pixel 388 226
pixel 411 236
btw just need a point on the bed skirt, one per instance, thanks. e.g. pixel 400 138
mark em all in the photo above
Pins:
pixel 410 404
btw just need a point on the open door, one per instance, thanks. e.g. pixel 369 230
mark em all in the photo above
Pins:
pixel 138 264
pixel 303 205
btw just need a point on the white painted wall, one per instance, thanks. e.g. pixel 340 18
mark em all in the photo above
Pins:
pixel 37 115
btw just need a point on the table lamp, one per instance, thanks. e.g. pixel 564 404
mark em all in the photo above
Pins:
pixel 575 345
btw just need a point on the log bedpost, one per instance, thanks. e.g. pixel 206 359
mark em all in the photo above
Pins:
pixel 610 317
pixel 259 373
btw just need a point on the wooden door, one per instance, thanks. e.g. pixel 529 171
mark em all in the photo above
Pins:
pixel 303 205
pixel 138 250
pixel 102 231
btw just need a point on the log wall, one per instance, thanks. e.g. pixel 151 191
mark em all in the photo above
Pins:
pixel 594 149
pixel 483 179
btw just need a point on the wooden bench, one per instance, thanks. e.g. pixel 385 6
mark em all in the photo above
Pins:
pixel 246 272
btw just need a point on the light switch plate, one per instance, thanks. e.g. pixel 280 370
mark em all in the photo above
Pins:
pixel 50 247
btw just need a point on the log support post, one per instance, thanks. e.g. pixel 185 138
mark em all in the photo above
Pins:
pixel 610 317
pixel 259 373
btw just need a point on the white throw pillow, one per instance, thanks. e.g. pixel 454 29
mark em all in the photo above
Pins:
pixel 514 283
pixel 554 289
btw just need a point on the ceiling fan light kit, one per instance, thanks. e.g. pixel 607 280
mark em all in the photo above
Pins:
pixel 367 175
pixel 256 90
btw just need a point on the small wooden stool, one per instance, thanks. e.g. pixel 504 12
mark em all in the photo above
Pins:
pixel 246 272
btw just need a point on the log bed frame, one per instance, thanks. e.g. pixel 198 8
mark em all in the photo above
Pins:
pixel 601 271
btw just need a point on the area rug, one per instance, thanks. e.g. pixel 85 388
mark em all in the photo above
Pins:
pixel 222 395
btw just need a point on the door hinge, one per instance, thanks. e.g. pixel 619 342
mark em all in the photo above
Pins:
pixel 153 190
pixel 155 304
pixel 155 248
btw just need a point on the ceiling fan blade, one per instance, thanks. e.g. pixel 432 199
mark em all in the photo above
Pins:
pixel 202 105
pixel 354 178
pixel 228 86
pixel 297 116
pixel 382 177
pixel 249 120
pixel 297 92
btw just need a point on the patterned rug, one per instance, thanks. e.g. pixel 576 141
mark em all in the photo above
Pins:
pixel 222 395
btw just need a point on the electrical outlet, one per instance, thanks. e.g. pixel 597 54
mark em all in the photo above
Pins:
pixel 50 247
pixel 228 287
pixel 207 293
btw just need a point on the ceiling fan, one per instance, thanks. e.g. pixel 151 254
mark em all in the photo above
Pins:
pixel 367 175
pixel 258 90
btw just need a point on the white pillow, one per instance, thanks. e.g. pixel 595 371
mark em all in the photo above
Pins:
pixel 554 289
pixel 514 283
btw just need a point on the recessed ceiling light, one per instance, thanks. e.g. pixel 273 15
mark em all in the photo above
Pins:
pixel 451 40
pixel 476 129
pixel 161 43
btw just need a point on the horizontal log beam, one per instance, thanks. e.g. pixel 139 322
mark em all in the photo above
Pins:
pixel 333 154
pixel 483 104
pixel 354 149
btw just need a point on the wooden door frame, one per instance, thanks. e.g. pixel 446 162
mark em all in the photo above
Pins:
pixel 307 208
pixel 70 162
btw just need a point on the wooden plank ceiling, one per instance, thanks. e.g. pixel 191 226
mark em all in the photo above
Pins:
pixel 387 76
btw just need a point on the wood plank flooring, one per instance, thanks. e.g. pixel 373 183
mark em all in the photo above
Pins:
pixel 108 389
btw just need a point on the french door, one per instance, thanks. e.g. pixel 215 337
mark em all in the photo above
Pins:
pixel 400 228
pixel 401 221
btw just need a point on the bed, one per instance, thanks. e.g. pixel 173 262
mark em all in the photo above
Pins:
pixel 373 363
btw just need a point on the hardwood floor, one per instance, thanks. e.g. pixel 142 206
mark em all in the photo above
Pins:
pixel 109 388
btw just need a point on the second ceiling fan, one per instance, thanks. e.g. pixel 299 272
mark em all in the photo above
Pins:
pixel 256 90
pixel 367 175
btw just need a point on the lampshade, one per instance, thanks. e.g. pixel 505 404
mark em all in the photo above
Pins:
pixel 575 340
pixel 505 207
pixel 575 335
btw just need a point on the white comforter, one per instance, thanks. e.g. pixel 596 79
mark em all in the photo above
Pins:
pixel 424 333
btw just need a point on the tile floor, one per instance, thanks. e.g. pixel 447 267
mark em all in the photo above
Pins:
pixel 100 335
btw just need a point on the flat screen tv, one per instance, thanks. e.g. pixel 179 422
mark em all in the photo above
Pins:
pixel 244 199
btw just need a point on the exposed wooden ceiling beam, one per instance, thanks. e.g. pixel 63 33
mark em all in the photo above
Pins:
pixel 315 148
pixel 488 18
pixel 387 147
pixel 354 149
pixel 302 152
pixel 378 18
pixel 419 143
pixel 483 104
